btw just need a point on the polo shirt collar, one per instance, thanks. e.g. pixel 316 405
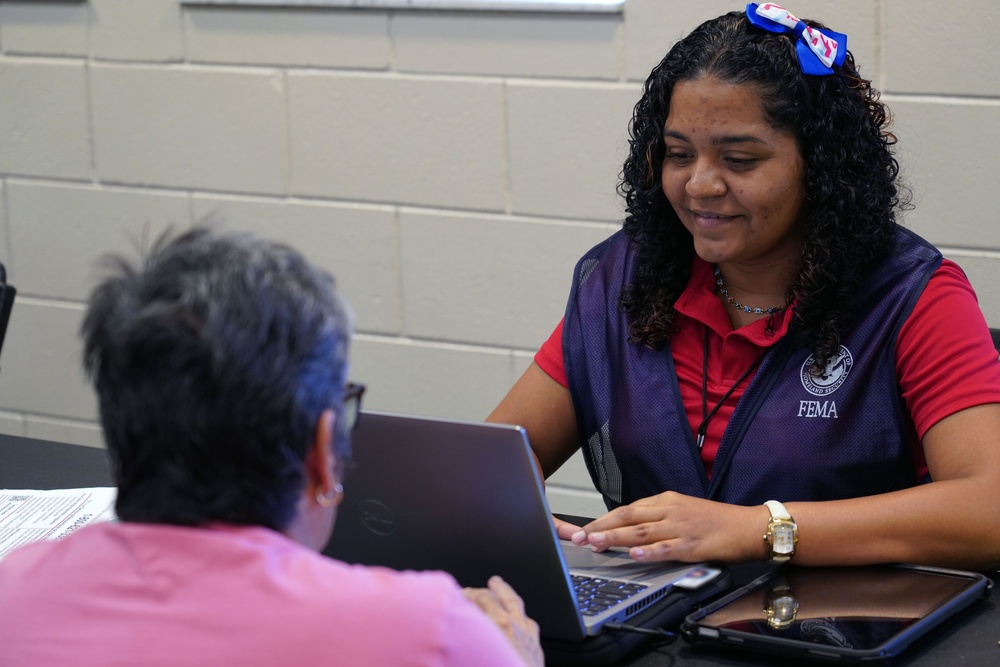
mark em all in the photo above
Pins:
pixel 700 302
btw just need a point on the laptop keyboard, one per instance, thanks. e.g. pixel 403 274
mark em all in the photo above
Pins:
pixel 596 594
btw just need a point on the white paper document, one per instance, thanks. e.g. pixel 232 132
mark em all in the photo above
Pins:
pixel 28 515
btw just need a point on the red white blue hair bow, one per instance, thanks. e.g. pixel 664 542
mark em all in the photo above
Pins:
pixel 818 50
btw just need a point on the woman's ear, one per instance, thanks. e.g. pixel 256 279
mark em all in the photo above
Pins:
pixel 320 460
pixel 316 508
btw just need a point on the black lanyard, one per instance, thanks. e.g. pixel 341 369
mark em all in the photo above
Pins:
pixel 706 416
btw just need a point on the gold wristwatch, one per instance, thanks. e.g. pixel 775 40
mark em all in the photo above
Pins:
pixel 782 533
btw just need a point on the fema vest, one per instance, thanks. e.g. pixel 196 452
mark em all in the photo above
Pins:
pixel 793 436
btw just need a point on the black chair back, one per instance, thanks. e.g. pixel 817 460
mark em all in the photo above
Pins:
pixel 6 303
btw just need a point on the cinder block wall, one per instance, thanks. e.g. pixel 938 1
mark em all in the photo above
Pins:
pixel 447 167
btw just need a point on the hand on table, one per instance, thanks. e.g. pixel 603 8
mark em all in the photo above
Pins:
pixel 505 608
pixel 671 526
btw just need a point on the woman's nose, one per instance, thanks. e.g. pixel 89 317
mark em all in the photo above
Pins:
pixel 705 181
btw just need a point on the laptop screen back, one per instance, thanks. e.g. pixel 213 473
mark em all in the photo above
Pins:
pixel 463 497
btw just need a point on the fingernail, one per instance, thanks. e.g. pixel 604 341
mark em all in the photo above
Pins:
pixel 578 538
pixel 598 538
pixel 638 552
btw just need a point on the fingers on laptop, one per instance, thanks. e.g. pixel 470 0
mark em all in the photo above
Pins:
pixel 672 526
pixel 564 529
pixel 646 527
pixel 506 608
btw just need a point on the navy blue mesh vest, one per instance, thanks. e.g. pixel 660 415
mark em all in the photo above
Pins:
pixel 793 435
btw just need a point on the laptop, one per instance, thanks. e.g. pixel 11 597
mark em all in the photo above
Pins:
pixel 465 497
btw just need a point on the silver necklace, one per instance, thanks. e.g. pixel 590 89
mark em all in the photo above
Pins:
pixel 739 306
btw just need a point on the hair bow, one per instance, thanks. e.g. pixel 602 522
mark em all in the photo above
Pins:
pixel 818 50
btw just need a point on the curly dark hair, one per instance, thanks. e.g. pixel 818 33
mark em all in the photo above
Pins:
pixel 850 180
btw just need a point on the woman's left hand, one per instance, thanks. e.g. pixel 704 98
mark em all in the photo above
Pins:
pixel 672 526
pixel 505 608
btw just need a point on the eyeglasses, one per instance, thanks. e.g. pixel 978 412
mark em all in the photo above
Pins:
pixel 352 404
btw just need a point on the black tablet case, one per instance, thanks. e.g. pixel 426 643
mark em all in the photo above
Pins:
pixel 743 581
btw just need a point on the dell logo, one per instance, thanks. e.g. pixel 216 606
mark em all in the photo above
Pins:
pixel 376 517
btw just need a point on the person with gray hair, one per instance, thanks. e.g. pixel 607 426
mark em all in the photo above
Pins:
pixel 220 365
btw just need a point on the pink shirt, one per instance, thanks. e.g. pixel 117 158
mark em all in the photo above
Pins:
pixel 152 595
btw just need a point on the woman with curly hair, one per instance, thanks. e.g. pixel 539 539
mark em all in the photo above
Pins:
pixel 762 340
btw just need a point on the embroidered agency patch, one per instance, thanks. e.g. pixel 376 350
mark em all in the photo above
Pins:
pixel 836 371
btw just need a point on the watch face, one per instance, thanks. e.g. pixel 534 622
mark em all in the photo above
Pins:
pixel 783 540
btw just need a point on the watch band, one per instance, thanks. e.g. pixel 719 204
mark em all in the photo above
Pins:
pixel 777 510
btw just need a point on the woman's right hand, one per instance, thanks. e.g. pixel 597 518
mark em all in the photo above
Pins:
pixel 564 529
pixel 673 526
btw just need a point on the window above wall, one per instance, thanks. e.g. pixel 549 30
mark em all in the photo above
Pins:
pixel 588 6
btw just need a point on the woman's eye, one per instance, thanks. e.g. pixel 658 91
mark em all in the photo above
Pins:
pixel 741 161
pixel 677 155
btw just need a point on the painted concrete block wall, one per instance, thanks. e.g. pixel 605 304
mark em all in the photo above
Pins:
pixel 447 167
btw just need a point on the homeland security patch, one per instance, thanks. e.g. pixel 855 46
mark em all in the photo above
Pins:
pixel 836 371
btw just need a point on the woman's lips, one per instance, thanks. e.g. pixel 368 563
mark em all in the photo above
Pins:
pixel 707 219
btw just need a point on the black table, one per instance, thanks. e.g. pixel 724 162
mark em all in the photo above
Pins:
pixel 26 463
pixel 971 638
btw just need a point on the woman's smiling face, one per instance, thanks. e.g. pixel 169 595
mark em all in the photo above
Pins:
pixel 735 182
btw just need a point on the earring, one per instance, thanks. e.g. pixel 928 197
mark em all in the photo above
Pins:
pixel 338 497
